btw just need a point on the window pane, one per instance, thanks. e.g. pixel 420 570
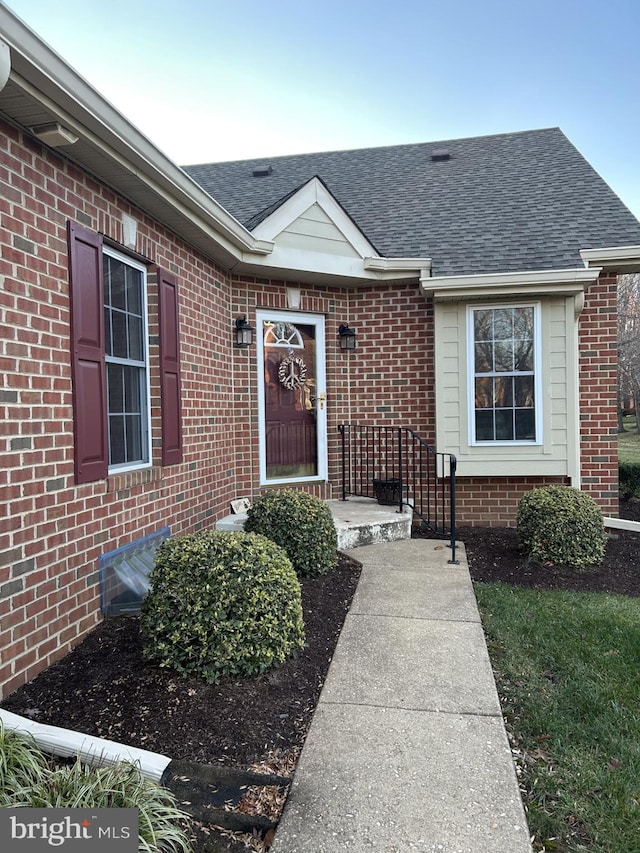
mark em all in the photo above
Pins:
pixel 504 356
pixel 503 324
pixel 484 425
pixel 484 357
pixel 484 393
pixel 504 424
pixel 134 438
pixel 523 323
pixel 483 325
pixel 134 291
pixel 108 348
pixel 119 348
pixel 525 425
pixel 523 355
pixel 524 395
pixel 504 392
pixel 132 390
pixel 117 454
pixel 115 389
pixel 136 344
pixel 117 282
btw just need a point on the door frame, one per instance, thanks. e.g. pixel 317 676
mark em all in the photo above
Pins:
pixel 318 321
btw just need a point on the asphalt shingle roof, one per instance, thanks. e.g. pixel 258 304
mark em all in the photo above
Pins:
pixel 511 202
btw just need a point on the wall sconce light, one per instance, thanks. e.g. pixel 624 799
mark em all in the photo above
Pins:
pixel 244 333
pixel 347 337
pixel 293 298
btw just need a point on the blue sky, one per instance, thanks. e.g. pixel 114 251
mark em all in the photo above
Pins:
pixel 210 80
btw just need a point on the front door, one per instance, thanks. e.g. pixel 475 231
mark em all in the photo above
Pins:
pixel 291 397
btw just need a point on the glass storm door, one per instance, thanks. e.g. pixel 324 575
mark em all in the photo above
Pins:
pixel 292 397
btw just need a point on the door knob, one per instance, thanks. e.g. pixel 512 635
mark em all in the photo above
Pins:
pixel 322 397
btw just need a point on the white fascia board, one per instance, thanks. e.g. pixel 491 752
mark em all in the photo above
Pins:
pixel 554 282
pixel 313 192
pixel 46 77
pixel 625 258
pixel 421 267
pixel 319 264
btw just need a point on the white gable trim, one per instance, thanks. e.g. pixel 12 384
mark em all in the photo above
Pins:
pixel 314 192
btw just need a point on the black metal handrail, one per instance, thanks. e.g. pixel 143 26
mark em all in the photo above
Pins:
pixel 399 468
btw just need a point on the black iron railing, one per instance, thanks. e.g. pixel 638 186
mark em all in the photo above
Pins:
pixel 399 468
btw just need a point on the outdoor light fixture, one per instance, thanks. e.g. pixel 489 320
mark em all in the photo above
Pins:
pixel 244 333
pixel 347 337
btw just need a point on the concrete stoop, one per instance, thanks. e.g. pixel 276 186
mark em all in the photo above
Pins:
pixel 358 521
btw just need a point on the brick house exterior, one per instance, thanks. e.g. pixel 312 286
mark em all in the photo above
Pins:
pixel 56 523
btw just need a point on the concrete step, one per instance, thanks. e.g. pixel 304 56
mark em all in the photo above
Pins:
pixel 358 521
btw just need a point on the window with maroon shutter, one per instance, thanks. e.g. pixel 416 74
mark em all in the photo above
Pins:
pixel 111 393
pixel 87 356
pixel 169 368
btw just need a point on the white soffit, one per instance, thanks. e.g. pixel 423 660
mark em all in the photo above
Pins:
pixel 623 259
pixel 564 282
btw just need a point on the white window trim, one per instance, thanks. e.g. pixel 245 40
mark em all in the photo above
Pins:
pixel 537 384
pixel 146 390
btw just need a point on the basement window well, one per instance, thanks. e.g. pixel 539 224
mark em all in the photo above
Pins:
pixel 124 574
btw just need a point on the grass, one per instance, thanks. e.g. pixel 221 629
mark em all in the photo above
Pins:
pixel 29 780
pixel 629 442
pixel 570 688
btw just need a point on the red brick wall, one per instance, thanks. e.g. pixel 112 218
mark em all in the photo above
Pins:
pixel 52 532
pixel 598 394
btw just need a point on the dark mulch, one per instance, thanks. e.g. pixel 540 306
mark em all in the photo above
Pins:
pixel 105 688
pixel 494 555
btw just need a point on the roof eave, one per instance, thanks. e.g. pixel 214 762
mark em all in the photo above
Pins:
pixel 563 282
pixel 621 259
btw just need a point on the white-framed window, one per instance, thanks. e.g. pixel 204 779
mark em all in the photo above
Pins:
pixel 127 361
pixel 505 403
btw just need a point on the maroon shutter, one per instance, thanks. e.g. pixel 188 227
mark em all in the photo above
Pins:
pixel 87 355
pixel 169 368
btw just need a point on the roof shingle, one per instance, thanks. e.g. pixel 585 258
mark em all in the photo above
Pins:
pixel 511 202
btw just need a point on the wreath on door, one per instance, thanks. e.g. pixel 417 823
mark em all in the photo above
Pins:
pixel 292 372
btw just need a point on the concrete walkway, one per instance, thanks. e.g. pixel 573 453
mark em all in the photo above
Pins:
pixel 407 750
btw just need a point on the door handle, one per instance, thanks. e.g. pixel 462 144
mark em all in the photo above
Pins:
pixel 321 399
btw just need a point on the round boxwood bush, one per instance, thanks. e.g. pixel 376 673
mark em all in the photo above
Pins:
pixel 561 525
pixel 221 603
pixel 301 524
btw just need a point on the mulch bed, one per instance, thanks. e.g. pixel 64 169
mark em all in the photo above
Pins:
pixel 105 688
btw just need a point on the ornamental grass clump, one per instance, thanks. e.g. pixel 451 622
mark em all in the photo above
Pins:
pixel 561 525
pixel 220 604
pixel 22 764
pixel 301 524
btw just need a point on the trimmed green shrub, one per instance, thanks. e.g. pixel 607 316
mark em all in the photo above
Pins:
pixel 301 524
pixel 629 477
pixel 561 525
pixel 220 604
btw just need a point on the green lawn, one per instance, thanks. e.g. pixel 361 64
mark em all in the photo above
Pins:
pixel 567 667
pixel 629 443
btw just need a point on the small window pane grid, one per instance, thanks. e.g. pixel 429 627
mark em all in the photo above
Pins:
pixel 504 374
pixel 126 357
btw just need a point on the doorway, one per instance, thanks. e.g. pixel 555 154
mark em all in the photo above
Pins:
pixel 291 397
